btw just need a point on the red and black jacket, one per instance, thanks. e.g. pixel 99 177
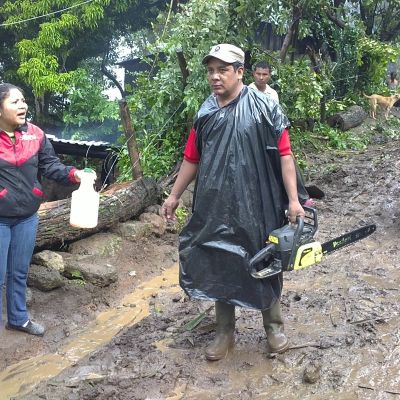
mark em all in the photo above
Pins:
pixel 20 163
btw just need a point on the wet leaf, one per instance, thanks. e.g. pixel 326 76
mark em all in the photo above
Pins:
pixel 54 383
pixel 196 321
pixel 158 308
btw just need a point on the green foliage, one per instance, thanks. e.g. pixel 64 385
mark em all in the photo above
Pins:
pixel 300 90
pixel 334 106
pixel 380 18
pixel 325 138
pixel 373 57
pixel 124 165
pixel 156 163
pixel 78 277
pixel 42 73
pixel 43 57
pixel 89 114
pixel 182 215
pixel 340 140
pixel 163 107
pixel 345 71
pixel 48 52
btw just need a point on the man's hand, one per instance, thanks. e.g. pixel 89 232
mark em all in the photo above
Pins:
pixel 295 210
pixel 186 174
pixel 169 207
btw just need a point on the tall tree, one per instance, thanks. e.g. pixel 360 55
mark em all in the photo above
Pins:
pixel 54 36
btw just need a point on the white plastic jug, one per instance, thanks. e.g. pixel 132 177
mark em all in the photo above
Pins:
pixel 85 202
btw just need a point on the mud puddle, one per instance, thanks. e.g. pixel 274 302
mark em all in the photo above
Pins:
pixel 20 378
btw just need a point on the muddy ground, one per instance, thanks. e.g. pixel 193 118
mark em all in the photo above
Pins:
pixel 342 317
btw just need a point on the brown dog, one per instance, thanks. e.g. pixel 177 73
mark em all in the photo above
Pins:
pixel 386 102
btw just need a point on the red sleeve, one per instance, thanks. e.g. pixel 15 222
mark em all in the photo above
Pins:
pixel 191 153
pixel 284 144
pixel 71 175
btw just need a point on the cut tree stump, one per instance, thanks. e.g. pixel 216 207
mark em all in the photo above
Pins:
pixel 118 204
pixel 347 119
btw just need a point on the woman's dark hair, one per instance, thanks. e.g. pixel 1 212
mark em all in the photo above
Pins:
pixel 5 90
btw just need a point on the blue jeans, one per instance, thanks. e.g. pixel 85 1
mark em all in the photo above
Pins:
pixel 17 242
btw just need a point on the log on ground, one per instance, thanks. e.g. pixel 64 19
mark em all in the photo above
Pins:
pixel 350 118
pixel 119 203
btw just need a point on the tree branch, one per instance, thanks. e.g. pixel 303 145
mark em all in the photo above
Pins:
pixel 296 15
pixel 183 66
pixel 110 76
pixel 332 17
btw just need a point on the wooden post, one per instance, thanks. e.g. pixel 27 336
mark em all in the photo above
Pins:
pixel 316 63
pixel 126 123
pixel 130 138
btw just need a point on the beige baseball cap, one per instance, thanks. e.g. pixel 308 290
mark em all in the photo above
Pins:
pixel 225 52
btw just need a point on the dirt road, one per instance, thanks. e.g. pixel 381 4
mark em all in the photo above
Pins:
pixel 342 317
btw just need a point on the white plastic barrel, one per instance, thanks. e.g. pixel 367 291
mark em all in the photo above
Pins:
pixel 85 202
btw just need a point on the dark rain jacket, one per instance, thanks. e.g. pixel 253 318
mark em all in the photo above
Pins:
pixel 239 198
pixel 20 162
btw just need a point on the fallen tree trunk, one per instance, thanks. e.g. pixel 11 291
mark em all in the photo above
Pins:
pixel 348 119
pixel 120 203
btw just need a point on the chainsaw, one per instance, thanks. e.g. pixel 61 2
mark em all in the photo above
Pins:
pixel 293 247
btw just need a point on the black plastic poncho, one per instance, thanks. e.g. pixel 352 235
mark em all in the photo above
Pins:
pixel 239 199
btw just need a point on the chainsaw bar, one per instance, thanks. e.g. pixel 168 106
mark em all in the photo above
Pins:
pixel 347 239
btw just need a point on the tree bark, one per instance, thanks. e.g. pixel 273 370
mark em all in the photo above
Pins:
pixel 130 138
pixel 347 119
pixel 119 203
pixel 185 75
pixel 330 14
pixel 126 123
pixel 183 66
pixel 296 15
pixel 316 63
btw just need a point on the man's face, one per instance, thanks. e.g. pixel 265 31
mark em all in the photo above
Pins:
pixel 223 79
pixel 261 76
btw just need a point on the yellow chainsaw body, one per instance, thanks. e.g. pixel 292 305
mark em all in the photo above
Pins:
pixel 308 254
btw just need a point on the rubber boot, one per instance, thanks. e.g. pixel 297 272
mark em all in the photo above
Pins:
pixel 274 328
pixel 224 338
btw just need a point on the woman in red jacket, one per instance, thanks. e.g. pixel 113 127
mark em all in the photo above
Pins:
pixel 25 151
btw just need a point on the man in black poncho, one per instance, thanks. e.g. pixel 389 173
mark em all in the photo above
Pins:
pixel 239 152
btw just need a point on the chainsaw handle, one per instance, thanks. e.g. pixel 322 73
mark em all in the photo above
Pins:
pixel 261 255
pixel 296 241
pixel 311 217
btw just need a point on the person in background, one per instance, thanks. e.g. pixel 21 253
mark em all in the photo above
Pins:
pixel 239 152
pixel 262 75
pixel 25 151
pixel 392 82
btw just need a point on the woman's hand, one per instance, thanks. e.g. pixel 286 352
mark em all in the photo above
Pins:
pixel 81 172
